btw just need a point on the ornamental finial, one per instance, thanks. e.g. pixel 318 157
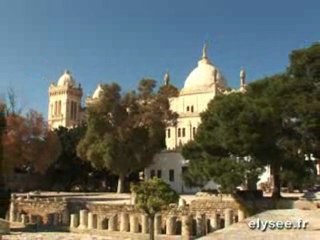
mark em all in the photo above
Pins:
pixel 204 50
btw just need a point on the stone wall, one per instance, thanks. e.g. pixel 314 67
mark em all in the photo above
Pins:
pixel 200 217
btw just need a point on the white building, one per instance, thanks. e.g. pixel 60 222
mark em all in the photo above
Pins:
pixel 65 102
pixel 201 86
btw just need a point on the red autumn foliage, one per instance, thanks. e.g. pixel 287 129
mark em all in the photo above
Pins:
pixel 28 143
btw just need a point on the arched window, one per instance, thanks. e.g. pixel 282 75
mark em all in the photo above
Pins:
pixel 191 108
pixel 188 108
pixel 168 133
pixel 179 132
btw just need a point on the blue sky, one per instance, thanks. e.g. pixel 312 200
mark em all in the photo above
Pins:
pixel 124 41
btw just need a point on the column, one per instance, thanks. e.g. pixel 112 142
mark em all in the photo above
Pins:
pixel 186 227
pixel 100 222
pixel 134 227
pixel 133 198
pixel 12 212
pixel 124 222
pixel 92 220
pixel 113 223
pixel 227 217
pixel 171 225
pixel 144 223
pixel 74 220
pixel 201 224
pixel 18 217
pixel 157 224
pixel 214 222
pixel 83 219
pixel 241 215
pixel 182 202
pixel 24 219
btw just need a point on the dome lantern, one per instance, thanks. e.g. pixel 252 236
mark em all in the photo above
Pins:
pixel 66 79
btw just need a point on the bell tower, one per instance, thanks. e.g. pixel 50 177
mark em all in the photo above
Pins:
pixel 64 102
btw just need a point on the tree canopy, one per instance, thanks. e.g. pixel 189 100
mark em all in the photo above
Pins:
pixel 125 130
pixel 153 196
pixel 276 122
pixel 24 139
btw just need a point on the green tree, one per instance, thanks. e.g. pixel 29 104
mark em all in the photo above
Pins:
pixel 223 144
pixel 68 169
pixel 152 196
pixel 168 91
pixel 276 123
pixel 305 63
pixel 124 131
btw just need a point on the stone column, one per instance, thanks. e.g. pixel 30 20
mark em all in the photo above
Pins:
pixel 157 224
pixel 144 223
pixel 74 220
pixel 134 227
pixel 24 219
pixel 113 223
pixel 100 222
pixel 186 227
pixel 171 225
pixel 182 202
pixel 124 222
pixel 214 222
pixel 227 217
pixel 241 215
pixel 133 198
pixel 12 212
pixel 83 219
pixel 201 224
pixel 18 217
pixel 92 220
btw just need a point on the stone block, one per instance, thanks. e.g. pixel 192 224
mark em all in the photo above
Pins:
pixel 4 227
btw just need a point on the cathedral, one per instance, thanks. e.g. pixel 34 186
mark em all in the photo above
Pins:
pixel 200 87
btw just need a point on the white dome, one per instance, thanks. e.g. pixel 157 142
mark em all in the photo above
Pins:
pixel 97 92
pixel 204 76
pixel 66 79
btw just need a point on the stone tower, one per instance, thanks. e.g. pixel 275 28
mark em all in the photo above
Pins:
pixel 64 102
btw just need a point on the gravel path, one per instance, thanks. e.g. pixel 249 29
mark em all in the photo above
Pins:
pixel 54 236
